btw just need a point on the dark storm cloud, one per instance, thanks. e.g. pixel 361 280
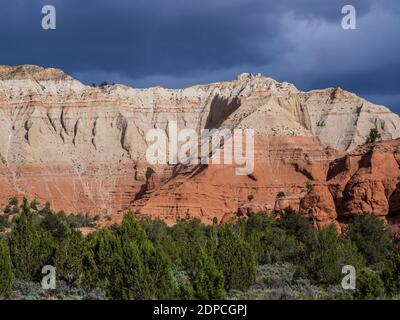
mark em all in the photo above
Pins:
pixel 180 42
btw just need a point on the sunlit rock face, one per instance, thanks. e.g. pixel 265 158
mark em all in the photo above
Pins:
pixel 83 148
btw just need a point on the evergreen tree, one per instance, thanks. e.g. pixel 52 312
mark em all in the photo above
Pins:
pixel 53 224
pixel 155 229
pixel 373 135
pixel 126 264
pixel 371 237
pixel 183 284
pixel 6 276
pixel 31 247
pixel 155 273
pixel 187 236
pixel 259 222
pixel 102 260
pixel 369 285
pixel 328 255
pixel 68 258
pixel 274 245
pixel 298 226
pixel 390 274
pixel 235 258
pixel 207 280
pixel 134 277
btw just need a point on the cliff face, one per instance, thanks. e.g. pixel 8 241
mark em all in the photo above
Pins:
pixel 290 172
pixel 83 148
pixel 282 164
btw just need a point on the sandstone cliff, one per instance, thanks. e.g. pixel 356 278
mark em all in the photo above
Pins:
pixel 82 148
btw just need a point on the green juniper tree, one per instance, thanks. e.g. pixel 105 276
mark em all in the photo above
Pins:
pixel 207 280
pixel 101 262
pixel 372 238
pixel 235 258
pixel 126 264
pixel 6 276
pixel 31 247
pixel 68 258
pixel 373 135
pixel 327 256
pixel 389 271
pixel 369 285
pixel 156 273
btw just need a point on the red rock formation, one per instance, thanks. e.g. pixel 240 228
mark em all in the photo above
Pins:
pixel 282 164
pixel 83 149
pixel 319 182
pixel 367 180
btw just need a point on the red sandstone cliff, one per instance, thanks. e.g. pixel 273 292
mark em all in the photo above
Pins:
pixel 322 183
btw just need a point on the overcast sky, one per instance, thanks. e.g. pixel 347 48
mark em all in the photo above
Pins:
pixel 177 43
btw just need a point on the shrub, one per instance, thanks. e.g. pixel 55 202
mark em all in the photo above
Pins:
pixel 184 288
pixel 389 272
pixel 369 285
pixel 6 276
pixel 280 195
pixel 208 281
pixel 373 135
pixel 155 229
pixel 371 237
pixel 126 264
pixel 259 222
pixel 299 226
pixel 235 258
pixel 274 244
pixel 328 255
pixel 31 246
pixel 34 291
pixel 13 201
pixel 68 258
pixel 309 186
pixel 55 225
pixel 184 239
pixel 4 222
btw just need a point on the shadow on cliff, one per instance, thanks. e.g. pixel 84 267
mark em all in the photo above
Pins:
pixel 220 109
pixel 147 185
pixel 394 204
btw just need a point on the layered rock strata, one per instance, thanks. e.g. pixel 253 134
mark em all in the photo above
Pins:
pixel 83 148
